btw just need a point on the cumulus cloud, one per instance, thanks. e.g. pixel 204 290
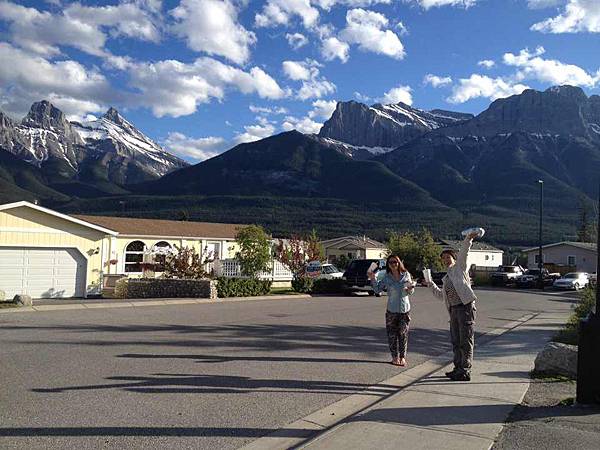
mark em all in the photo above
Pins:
pixel 194 149
pixel 397 95
pixel 304 125
pixel 296 40
pixel 322 109
pixel 487 63
pixel 174 88
pixel 255 132
pixel 541 4
pixel 483 86
pixel 267 110
pixel 211 26
pixel 313 84
pixel 427 4
pixel 81 27
pixel 74 88
pixel 436 81
pixel 532 66
pixel 280 12
pixel 578 16
pixel 366 29
pixel 332 48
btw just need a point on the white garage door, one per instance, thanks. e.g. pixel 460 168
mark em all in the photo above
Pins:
pixel 42 272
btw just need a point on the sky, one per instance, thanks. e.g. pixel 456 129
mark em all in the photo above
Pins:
pixel 200 76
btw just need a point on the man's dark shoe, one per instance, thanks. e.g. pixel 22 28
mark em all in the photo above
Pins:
pixel 451 373
pixel 461 377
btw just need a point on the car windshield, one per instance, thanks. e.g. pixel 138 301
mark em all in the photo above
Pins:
pixel 509 269
pixel 533 272
pixel 571 275
pixel 330 269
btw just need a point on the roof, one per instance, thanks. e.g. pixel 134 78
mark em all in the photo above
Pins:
pixel 584 245
pixel 164 228
pixel 357 241
pixel 72 219
pixel 477 245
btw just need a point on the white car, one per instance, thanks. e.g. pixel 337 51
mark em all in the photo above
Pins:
pixel 330 272
pixel 572 280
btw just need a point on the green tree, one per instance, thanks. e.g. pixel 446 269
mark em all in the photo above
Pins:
pixel 417 250
pixel 254 255
pixel 586 231
pixel 314 249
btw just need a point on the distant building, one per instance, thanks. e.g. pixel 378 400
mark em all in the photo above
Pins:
pixel 481 254
pixel 579 256
pixel 353 247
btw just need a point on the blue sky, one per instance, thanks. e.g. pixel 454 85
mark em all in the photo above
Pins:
pixel 199 76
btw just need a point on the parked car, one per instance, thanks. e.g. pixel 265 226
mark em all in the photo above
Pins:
pixel 572 280
pixel 531 278
pixel 330 272
pixel 506 275
pixel 355 276
pixel 593 278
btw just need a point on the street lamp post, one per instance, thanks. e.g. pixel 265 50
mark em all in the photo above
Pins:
pixel 540 257
pixel 588 362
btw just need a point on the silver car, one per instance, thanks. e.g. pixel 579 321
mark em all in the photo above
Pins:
pixel 572 280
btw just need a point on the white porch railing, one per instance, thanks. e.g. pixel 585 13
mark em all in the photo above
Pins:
pixel 230 268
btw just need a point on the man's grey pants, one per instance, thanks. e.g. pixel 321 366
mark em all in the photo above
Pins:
pixel 462 321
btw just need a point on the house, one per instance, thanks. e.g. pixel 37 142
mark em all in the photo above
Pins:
pixel 44 253
pixel 579 256
pixel 353 247
pixel 481 254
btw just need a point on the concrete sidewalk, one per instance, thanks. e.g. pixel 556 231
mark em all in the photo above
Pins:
pixel 435 412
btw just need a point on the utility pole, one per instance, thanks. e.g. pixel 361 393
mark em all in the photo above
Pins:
pixel 540 257
pixel 588 363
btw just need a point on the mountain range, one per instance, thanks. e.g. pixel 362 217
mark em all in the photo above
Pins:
pixel 380 167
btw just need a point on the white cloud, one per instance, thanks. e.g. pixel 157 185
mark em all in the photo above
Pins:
pixel 427 4
pixel 396 95
pixel 280 12
pixel 313 85
pixel 332 47
pixel 173 88
pixel 487 63
pixel 436 81
pixel 267 109
pixel 365 28
pixel 532 66
pixel 541 4
pixel 304 125
pixel 362 98
pixel 578 16
pixel 77 26
pixel 195 149
pixel 322 109
pixel 296 40
pixel 29 78
pixel 255 132
pixel 483 86
pixel 211 26
pixel 297 70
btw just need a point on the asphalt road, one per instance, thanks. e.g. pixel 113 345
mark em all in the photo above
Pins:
pixel 212 375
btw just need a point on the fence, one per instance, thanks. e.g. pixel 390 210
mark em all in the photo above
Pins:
pixel 230 268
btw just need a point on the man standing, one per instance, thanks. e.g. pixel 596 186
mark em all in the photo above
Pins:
pixel 460 300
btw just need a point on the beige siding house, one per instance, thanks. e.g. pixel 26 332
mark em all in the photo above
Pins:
pixel 481 254
pixel 353 247
pixel 47 254
pixel 579 256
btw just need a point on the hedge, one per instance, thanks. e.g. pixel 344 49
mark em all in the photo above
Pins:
pixel 302 284
pixel 242 287
pixel 334 286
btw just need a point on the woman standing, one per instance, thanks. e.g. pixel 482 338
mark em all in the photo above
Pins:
pixel 399 285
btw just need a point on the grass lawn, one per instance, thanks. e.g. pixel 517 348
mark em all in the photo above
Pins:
pixel 8 305
pixel 282 291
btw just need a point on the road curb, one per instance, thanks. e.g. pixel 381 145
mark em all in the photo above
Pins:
pixel 305 429
pixel 140 304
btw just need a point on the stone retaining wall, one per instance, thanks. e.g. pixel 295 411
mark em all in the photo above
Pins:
pixel 169 288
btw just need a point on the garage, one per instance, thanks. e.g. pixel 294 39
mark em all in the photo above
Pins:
pixel 42 272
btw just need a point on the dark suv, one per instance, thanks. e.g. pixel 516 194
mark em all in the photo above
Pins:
pixel 355 276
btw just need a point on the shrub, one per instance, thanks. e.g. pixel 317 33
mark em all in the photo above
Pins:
pixel 242 287
pixel 302 284
pixel 121 288
pixel 254 255
pixel 570 332
pixel 186 263
pixel 335 286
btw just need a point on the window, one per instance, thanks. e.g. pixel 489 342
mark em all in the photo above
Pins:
pixel 134 256
pixel 487 257
pixel 160 250
pixel 214 250
pixel 571 260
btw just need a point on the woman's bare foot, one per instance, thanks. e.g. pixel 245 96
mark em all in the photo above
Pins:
pixel 402 362
pixel 396 362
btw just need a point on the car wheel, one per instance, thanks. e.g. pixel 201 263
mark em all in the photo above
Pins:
pixel 576 286
pixel 371 293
